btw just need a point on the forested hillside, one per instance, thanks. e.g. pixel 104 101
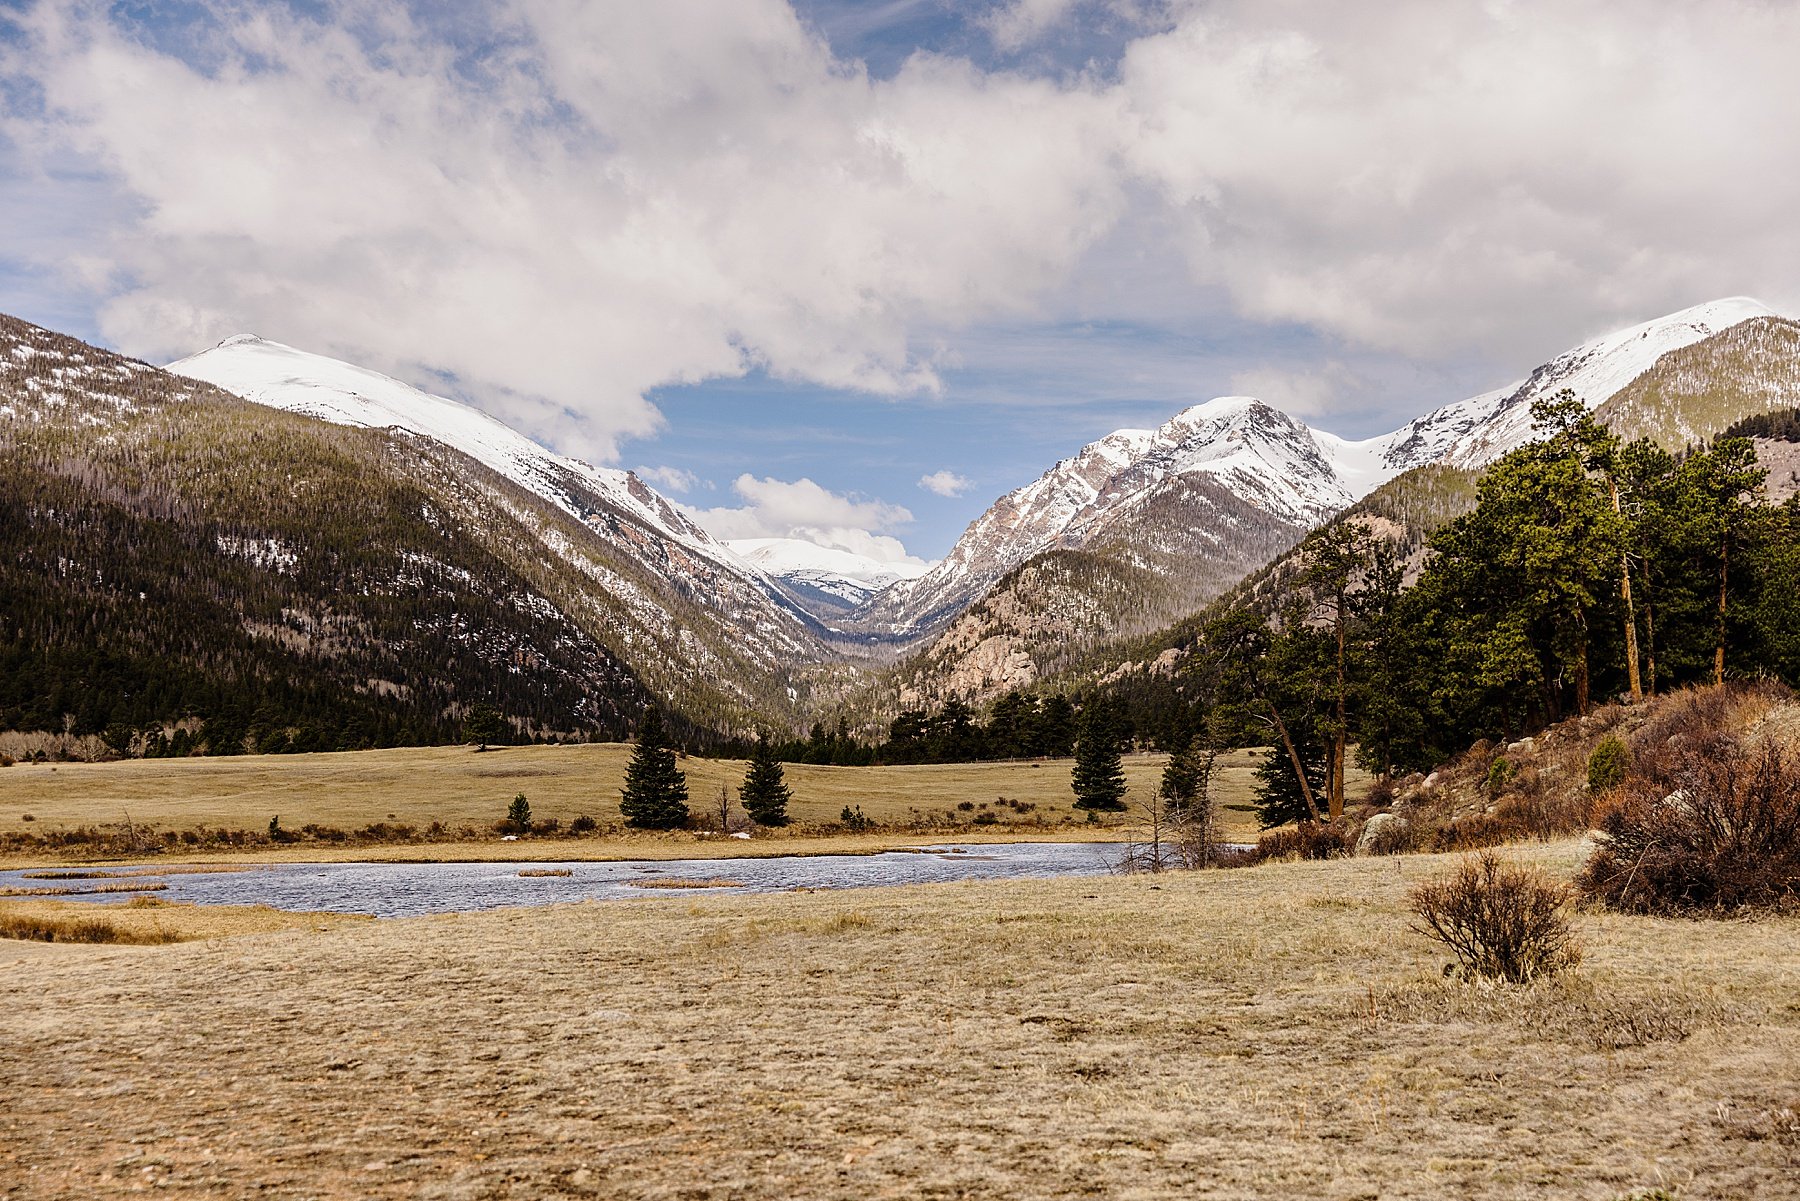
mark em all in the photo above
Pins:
pixel 182 570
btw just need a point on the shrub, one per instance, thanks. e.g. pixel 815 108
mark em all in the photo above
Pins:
pixel 1308 840
pixel 1501 921
pixel 985 818
pixel 583 824
pixel 1721 832
pixel 1500 775
pixel 855 819
pixel 1381 793
pixel 1608 764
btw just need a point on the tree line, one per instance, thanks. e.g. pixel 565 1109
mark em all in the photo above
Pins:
pixel 1589 569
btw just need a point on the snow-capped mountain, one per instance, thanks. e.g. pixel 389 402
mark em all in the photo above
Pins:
pixel 682 584
pixel 828 581
pixel 1257 454
pixel 1473 433
pixel 1271 462
pixel 1170 518
pixel 282 377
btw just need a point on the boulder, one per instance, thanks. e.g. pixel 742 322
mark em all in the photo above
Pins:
pixel 1381 833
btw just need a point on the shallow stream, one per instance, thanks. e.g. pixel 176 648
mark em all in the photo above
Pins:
pixel 408 889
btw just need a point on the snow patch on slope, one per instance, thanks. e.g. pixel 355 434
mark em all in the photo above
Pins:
pixel 1473 433
pixel 282 377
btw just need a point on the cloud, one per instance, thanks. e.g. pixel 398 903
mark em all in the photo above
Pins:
pixel 946 483
pixel 1498 178
pixel 674 479
pixel 1302 392
pixel 612 197
pixel 1022 21
pixel 564 207
pixel 803 509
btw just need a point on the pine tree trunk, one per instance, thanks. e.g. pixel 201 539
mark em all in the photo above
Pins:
pixel 1719 651
pixel 1649 631
pixel 1335 801
pixel 1581 677
pixel 1631 646
pixel 1312 806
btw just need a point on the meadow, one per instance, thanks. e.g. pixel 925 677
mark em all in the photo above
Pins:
pixel 461 787
pixel 1275 1031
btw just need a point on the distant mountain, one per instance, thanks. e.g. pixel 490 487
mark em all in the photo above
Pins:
pixel 1167 520
pixel 827 582
pixel 1695 392
pixel 1238 460
pixel 1475 432
pixel 281 377
pixel 404 547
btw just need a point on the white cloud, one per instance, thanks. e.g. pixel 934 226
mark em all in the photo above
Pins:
pixel 674 479
pixel 621 196
pixel 946 483
pixel 618 195
pixel 803 509
pixel 1505 178
pixel 1022 21
pixel 1302 392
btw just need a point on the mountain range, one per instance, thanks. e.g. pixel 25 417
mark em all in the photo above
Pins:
pixel 1133 532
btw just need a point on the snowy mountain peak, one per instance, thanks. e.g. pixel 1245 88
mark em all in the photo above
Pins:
pixel 828 581
pixel 1264 457
pixel 606 499
pixel 1474 432
pixel 282 377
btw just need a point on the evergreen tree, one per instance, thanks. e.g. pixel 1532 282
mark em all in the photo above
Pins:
pixel 1099 776
pixel 764 792
pixel 655 794
pixel 483 725
pixel 1188 775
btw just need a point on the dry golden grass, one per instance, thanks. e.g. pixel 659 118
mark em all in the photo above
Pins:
pixel 1273 1032
pixel 461 787
pixel 151 920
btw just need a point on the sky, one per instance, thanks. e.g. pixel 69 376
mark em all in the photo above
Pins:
pixel 850 270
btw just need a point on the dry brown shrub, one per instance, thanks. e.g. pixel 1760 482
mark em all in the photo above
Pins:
pixel 1501 920
pixel 1473 833
pixel 1716 831
pixel 1308 840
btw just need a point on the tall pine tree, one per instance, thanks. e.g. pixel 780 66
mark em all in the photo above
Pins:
pixel 1099 776
pixel 764 792
pixel 655 794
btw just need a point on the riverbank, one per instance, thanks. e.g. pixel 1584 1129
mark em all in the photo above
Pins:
pixel 1270 1032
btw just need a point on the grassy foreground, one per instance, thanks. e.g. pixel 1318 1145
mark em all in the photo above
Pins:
pixel 458 787
pixel 1269 1032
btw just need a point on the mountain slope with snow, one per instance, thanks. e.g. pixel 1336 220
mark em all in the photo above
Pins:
pixel 1188 509
pixel 270 373
pixel 1255 455
pixel 1473 433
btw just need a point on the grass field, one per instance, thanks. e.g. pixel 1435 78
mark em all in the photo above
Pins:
pixel 1273 1032
pixel 461 787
